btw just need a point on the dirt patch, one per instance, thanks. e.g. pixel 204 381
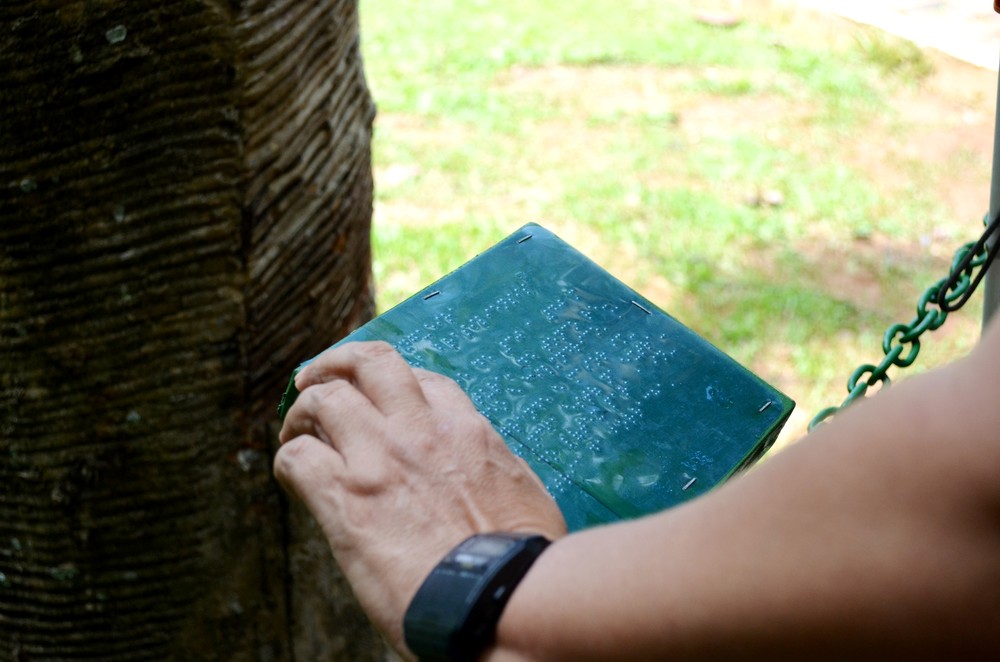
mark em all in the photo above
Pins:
pixel 936 125
pixel 945 120
pixel 601 89
pixel 674 95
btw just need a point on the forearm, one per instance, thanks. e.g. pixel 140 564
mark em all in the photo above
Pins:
pixel 880 533
pixel 877 537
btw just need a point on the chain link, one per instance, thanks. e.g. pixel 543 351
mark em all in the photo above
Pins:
pixel 901 342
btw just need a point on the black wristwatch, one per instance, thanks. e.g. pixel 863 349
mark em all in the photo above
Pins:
pixel 454 615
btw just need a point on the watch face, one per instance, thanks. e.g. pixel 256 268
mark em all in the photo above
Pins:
pixel 488 546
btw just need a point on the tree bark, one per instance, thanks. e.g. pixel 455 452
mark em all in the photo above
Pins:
pixel 185 203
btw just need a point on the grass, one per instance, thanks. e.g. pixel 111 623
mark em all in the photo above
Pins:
pixel 893 55
pixel 754 181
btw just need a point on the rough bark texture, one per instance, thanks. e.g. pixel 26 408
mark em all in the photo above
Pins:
pixel 185 200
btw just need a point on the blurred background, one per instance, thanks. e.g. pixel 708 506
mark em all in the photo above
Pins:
pixel 785 181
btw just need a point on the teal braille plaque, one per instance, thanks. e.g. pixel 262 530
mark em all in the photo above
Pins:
pixel 619 408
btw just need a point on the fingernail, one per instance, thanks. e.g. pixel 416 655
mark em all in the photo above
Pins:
pixel 300 381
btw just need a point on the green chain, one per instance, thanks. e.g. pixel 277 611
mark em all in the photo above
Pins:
pixel 948 295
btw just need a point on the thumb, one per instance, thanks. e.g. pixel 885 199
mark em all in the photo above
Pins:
pixel 305 466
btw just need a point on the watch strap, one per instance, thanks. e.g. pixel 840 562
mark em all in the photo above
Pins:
pixel 454 614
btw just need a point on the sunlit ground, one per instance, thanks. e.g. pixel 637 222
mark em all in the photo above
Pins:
pixel 787 187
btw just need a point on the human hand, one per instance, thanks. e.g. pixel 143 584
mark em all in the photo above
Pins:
pixel 398 467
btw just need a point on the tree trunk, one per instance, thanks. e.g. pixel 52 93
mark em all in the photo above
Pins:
pixel 185 203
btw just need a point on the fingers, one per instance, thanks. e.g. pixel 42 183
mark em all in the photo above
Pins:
pixel 374 368
pixel 348 394
pixel 304 466
pixel 336 413
pixel 440 391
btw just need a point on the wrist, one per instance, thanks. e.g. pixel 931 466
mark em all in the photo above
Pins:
pixel 527 629
pixel 455 612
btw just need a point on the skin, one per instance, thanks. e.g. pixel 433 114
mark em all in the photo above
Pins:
pixel 877 537
pixel 398 467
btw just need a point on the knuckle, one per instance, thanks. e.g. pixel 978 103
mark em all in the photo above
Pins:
pixel 317 370
pixel 429 375
pixel 434 380
pixel 419 447
pixel 415 438
pixel 368 481
pixel 311 400
pixel 484 430
pixel 375 349
pixel 280 467
pixel 323 394
pixel 312 404
pixel 286 462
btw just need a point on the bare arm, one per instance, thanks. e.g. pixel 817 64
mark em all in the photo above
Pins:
pixel 879 535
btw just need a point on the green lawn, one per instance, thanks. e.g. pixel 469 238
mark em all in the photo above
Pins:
pixel 759 182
